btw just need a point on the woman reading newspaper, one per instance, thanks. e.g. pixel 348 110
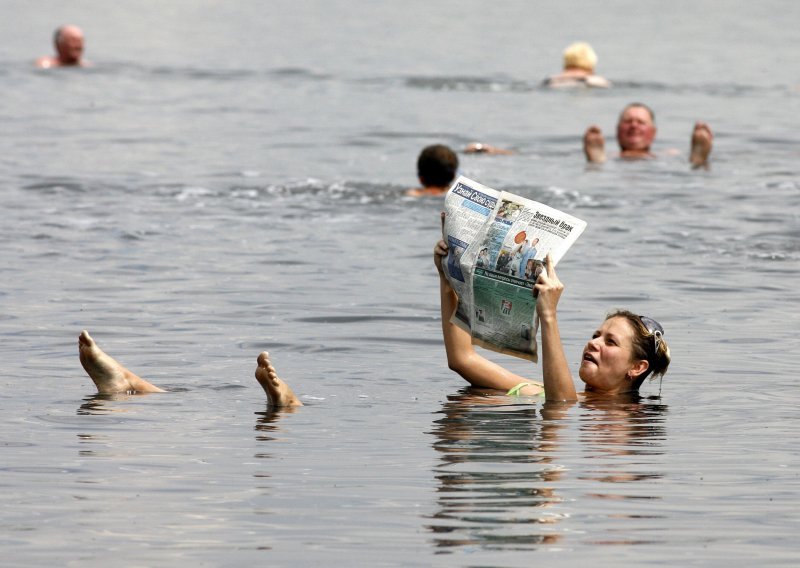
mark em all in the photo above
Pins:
pixel 622 352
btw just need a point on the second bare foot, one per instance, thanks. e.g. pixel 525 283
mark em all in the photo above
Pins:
pixel 594 145
pixel 702 140
pixel 278 392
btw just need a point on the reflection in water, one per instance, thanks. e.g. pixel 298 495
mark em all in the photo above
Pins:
pixel 267 421
pixel 100 445
pixel 99 404
pixel 507 465
pixel 104 404
pixel 266 426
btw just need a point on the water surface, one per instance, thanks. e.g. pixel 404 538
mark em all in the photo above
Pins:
pixel 229 178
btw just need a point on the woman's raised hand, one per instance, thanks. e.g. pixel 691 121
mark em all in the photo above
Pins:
pixel 547 290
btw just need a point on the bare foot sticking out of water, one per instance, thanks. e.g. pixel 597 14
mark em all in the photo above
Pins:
pixel 108 375
pixel 702 140
pixel 278 392
pixel 594 145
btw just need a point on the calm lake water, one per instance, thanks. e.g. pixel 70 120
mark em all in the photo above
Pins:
pixel 228 178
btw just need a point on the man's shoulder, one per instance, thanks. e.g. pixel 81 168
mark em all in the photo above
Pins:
pixel 46 61
pixel 422 191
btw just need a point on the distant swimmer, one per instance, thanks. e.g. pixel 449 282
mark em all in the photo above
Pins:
pixel 481 148
pixel 636 130
pixel 579 63
pixel 436 169
pixel 68 41
pixel 108 375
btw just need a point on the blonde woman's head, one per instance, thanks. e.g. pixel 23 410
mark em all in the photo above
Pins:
pixel 580 55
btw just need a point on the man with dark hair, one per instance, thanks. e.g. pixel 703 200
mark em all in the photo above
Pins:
pixel 636 130
pixel 68 41
pixel 436 170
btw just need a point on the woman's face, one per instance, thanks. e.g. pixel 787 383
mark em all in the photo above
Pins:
pixel 608 357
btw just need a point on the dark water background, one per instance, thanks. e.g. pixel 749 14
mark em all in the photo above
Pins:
pixel 229 178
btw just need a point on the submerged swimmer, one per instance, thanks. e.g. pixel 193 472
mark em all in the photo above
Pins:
pixel 481 148
pixel 622 353
pixel 112 377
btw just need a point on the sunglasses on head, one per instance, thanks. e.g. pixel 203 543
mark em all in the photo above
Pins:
pixel 653 328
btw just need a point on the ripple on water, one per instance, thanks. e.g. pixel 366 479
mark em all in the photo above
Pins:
pixel 42 470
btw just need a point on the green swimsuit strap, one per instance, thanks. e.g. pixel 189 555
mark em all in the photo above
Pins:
pixel 515 390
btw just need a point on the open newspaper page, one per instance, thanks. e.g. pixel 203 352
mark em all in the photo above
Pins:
pixel 498 242
pixel 468 205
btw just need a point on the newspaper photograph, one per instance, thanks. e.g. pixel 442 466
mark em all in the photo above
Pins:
pixel 497 245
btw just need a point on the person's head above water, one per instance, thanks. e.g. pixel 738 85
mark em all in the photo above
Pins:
pixel 636 129
pixel 578 69
pixel 580 55
pixel 623 352
pixel 68 41
pixel 437 166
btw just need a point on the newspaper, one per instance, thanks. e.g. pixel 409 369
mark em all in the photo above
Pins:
pixel 498 242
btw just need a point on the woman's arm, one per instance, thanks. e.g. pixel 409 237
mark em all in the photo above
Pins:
pixel 461 355
pixel 558 383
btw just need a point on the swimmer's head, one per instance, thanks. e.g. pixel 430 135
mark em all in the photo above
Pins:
pixel 437 166
pixel 636 128
pixel 633 106
pixel 648 344
pixel 580 55
pixel 623 352
pixel 68 41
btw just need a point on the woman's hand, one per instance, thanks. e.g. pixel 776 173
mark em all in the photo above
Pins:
pixel 440 250
pixel 439 253
pixel 547 290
